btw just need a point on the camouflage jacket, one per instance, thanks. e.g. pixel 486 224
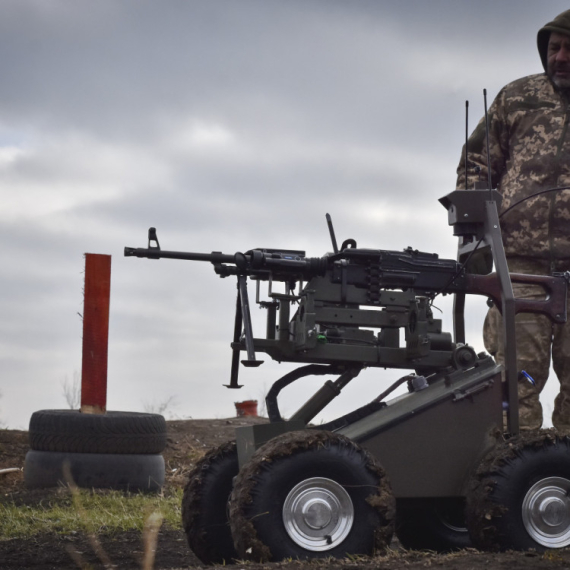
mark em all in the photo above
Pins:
pixel 529 144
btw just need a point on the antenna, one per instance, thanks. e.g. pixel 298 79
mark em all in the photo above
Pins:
pixel 466 139
pixel 331 232
pixel 487 138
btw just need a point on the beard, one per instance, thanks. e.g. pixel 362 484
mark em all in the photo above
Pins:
pixel 560 82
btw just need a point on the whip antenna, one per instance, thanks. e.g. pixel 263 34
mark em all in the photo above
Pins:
pixel 466 139
pixel 487 138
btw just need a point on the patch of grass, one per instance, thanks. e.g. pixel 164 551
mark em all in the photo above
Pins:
pixel 94 512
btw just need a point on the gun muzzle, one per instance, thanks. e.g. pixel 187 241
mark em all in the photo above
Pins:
pixel 152 253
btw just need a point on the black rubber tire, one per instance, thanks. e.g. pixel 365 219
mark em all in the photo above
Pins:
pixel 95 470
pixel 205 505
pixel 437 525
pixel 112 432
pixel 263 484
pixel 495 502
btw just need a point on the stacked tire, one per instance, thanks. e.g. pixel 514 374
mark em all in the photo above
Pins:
pixel 115 450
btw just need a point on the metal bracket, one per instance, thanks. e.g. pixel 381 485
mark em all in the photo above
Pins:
pixel 459 395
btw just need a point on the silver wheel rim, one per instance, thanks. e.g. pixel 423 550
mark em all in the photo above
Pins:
pixel 546 512
pixel 318 514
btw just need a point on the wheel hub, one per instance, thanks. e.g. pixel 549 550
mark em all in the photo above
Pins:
pixel 546 512
pixel 318 514
pixel 553 511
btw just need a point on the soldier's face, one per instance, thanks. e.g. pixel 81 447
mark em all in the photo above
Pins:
pixel 558 60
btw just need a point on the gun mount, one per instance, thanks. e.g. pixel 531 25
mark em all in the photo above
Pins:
pixel 357 308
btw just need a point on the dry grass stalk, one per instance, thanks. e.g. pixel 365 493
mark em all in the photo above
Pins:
pixel 150 539
pixel 91 536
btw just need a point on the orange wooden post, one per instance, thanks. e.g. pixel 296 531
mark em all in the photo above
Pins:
pixel 95 333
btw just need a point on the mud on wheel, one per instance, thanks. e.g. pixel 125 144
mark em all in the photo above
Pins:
pixel 520 496
pixel 311 494
pixel 205 505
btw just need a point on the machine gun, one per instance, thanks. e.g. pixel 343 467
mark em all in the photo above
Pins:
pixel 351 304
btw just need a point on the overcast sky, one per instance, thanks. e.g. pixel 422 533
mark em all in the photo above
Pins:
pixel 227 125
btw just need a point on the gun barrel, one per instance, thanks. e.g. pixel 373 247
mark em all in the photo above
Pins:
pixel 155 253
pixel 284 266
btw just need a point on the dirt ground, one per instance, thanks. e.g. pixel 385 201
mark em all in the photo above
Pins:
pixel 187 441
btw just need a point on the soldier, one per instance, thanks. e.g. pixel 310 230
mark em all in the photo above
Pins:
pixel 529 146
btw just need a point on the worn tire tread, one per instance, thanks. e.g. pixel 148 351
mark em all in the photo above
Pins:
pixel 485 513
pixel 211 547
pixel 247 542
pixel 113 432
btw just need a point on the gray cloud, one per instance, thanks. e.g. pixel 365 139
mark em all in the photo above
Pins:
pixel 227 125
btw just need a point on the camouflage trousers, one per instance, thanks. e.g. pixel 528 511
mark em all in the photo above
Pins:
pixel 538 341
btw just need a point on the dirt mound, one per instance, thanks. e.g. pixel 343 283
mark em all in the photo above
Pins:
pixel 13 448
pixel 188 440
